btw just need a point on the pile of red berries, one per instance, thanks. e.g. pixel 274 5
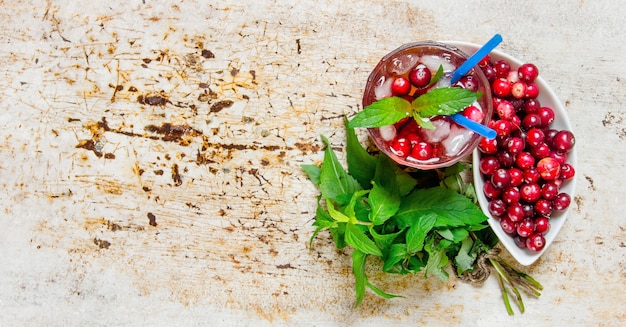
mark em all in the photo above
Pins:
pixel 525 166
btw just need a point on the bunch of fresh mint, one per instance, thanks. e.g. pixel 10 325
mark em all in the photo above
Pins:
pixel 412 220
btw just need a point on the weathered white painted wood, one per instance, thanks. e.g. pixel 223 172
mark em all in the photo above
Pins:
pixel 151 150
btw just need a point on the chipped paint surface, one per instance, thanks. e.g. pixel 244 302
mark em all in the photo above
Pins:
pixel 151 151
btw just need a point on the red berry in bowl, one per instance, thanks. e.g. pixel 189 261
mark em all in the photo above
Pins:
pixel 532 90
pixel 501 87
pixel 530 192
pixel 488 146
pixel 525 228
pixel 546 114
pixel 508 226
pixel 567 171
pixel 563 141
pixel 488 165
pixel 501 178
pixel 502 68
pixel 542 224
pixel 562 201
pixel 497 207
pixel 549 168
pixel 527 72
pixel 535 242
pixel 518 90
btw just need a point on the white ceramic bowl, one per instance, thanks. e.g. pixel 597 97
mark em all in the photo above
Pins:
pixel 548 98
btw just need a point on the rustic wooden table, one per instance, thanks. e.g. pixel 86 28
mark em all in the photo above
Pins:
pixel 150 158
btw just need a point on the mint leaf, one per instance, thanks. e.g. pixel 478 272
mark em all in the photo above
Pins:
pixel 416 234
pixel 423 122
pixel 358 269
pixel 336 214
pixel 451 209
pixel 334 180
pixel 382 112
pixel 455 235
pixel 383 240
pixel 395 254
pixel 361 165
pixel 436 77
pixel 406 183
pixel 379 292
pixel 322 221
pixel 443 101
pixel 358 240
pixel 313 172
pixel 437 260
pixel 384 197
pixel 464 259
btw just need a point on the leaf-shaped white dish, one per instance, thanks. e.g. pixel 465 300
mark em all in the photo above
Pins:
pixel 547 98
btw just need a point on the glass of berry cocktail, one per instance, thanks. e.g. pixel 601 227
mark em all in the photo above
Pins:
pixel 414 70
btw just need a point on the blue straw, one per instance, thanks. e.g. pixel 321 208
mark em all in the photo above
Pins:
pixel 477 128
pixel 460 72
pixel 475 58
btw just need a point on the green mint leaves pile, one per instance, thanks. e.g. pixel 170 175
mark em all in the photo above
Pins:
pixel 412 221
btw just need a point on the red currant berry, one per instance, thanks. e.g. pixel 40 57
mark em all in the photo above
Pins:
pixel 527 72
pixel 535 242
pixel 505 110
pixel 420 76
pixel 567 171
pixel 508 226
pixel 519 241
pixel 543 207
pixel 530 121
pixel 515 212
pixel 422 151
pixel 562 201
pixel 518 90
pixel 505 158
pixel 497 207
pixel 517 176
pixel 491 191
pixel 473 113
pixel 501 87
pixel 510 195
pixel 530 192
pixel 547 116
pixel 400 147
pixel 485 61
pixel 549 168
pixel 532 90
pixel 563 141
pixel 542 224
pixel 503 127
pixel 490 73
pixel 549 191
pixel 488 146
pixel 502 68
pixel 400 86
pixel 534 136
pixel 525 228
pixel 531 175
pixel 559 156
pixel 540 151
pixel 515 145
pixel 488 165
pixel 501 178
pixel 469 83
pixel 531 106
pixel 525 160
